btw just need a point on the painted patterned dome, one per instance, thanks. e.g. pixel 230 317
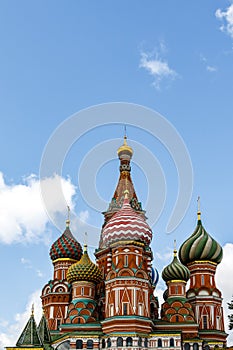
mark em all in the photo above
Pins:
pixel 84 270
pixel 200 246
pixel 66 246
pixel 175 271
pixel 126 224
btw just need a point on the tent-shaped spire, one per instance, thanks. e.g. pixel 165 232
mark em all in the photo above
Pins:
pixel 30 336
pixel 43 330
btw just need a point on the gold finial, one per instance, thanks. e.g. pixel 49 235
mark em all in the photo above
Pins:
pixel 198 209
pixel 68 217
pixel 125 147
pixel 175 251
pixel 85 248
pixel 32 313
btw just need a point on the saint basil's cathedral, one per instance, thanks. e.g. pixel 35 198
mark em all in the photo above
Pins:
pixel 112 303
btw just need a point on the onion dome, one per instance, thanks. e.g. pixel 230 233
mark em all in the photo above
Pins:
pixel 154 276
pixel 84 270
pixel 126 224
pixel 125 151
pixel 66 246
pixel 200 246
pixel 175 271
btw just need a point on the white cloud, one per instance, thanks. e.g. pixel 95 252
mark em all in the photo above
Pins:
pixel 227 18
pixel 211 68
pixel 9 333
pixel 23 214
pixel 27 263
pixel 157 66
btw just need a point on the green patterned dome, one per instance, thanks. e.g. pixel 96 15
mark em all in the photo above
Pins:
pixel 84 270
pixel 175 271
pixel 200 246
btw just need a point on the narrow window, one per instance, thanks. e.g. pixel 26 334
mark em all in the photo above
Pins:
pixel 202 280
pixel 195 346
pixel 58 323
pixel 137 262
pixel 90 292
pixel 103 344
pixel 82 291
pixel 172 342
pixel 218 322
pixel 109 343
pixel 62 274
pixel 111 312
pixel 126 260
pixel 90 344
pixel 79 344
pixel 160 344
pixel 129 341
pixel 186 346
pixel 125 309
pixel 176 289
pixel 116 260
pixel 120 341
pixel 51 312
pixel 204 322
pixel 140 309
pixel 140 341
pixel 146 343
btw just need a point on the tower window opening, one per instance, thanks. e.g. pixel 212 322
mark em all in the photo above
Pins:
pixel 218 322
pixel 111 309
pixel 129 341
pixel 109 343
pixel 90 292
pixel 176 289
pixel 140 341
pixel 125 309
pixel 116 260
pixel 195 346
pixel 204 319
pixel 186 346
pixel 126 261
pixel 58 323
pixel 137 260
pixel 103 344
pixel 79 344
pixel 146 343
pixel 82 291
pixel 160 343
pixel 62 274
pixel 202 280
pixel 172 343
pixel 120 341
pixel 90 344
pixel 140 309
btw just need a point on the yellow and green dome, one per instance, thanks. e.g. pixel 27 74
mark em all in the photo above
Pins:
pixel 200 246
pixel 175 271
pixel 84 270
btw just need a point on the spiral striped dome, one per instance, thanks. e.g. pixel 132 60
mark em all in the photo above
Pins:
pixel 66 246
pixel 175 271
pixel 154 276
pixel 200 246
pixel 126 224
pixel 84 270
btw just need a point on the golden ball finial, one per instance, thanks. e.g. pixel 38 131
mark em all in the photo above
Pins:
pixel 125 149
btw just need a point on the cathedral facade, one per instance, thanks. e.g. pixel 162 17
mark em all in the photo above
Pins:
pixel 112 303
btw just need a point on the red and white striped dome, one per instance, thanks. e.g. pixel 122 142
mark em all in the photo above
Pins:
pixel 126 224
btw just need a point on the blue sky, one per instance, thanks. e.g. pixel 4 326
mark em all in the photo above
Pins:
pixel 57 58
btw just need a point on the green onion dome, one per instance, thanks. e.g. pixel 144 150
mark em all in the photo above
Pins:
pixel 84 270
pixel 175 271
pixel 66 246
pixel 200 246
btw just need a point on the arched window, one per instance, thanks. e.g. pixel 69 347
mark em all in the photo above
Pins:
pixel 129 341
pixel 172 343
pixel 109 343
pixel 195 346
pixel 146 343
pixel 160 343
pixel 103 344
pixel 90 344
pixel 140 341
pixel 126 261
pixel 119 341
pixel 79 344
pixel 186 346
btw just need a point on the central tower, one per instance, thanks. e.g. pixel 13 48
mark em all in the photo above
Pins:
pixel 124 256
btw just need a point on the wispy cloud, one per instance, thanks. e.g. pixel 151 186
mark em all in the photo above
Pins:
pixel 227 20
pixel 209 67
pixel 28 264
pixel 23 215
pixel 157 66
